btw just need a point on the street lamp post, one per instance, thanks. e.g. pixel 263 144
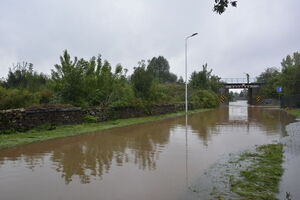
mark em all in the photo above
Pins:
pixel 186 40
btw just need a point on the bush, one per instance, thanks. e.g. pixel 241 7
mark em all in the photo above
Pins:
pixel 204 98
pixel 168 93
pixel 45 96
pixel 90 119
pixel 123 96
pixel 15 98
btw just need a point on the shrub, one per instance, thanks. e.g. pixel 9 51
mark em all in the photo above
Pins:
pixel 204 98
pixel 90 119
pixel 16 98
pixel 168 93
pixel 45 96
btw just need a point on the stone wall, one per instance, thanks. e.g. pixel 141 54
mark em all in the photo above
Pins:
pixel 24 119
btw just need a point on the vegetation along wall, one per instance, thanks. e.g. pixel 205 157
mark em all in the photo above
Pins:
pixel 24 119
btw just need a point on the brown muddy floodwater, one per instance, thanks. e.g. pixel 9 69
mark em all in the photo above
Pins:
pixel 157 160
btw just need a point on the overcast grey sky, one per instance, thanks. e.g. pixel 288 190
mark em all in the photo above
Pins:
pixel 255 35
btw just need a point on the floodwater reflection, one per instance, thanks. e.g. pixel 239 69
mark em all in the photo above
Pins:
pixel 145 161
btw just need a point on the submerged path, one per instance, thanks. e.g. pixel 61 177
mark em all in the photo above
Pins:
pixel 155 160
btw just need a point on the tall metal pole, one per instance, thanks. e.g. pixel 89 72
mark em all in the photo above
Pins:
pixel 186 110
pixel 186 40
pixel 186 106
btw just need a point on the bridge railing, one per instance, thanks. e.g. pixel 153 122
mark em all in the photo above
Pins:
pixel 239 80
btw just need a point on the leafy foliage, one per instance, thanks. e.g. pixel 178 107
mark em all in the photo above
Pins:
pixel 290 74
pixel 89 83
pixel 159 68
pixel 22 76
pixel 16 98
pixel 288 78
pixel 204 80
pixel 221 5
pixel 272 77
pixel 205 98
pixel 90 119
pixel 94 82
pixel 142 81
pixel 261 178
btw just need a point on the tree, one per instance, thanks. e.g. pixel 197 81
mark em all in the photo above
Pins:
pixel 243 93
pixel 200 80
pixel 160 69
pixel 215 83
pixel 68 80
pixel 204 80
pixel 221 5
pixel 142 81
pixel 180 80
pixel 271 78
pixel 90 82
pixel 22 76
pixel 290 77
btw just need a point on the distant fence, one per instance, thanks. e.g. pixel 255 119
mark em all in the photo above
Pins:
pixel 290 101
pixel 239 80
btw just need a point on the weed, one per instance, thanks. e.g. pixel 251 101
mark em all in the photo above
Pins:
pixel 295 112
pixel 261 178
pixel 90 119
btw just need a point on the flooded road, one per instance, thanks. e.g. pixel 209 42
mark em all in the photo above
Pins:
pixel 157 160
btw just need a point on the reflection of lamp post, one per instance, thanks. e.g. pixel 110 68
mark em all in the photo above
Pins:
pixel 186 39
pixel 186 152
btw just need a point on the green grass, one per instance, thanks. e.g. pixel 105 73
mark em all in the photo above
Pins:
pixel 42 134
pixel 295 112
pixel 260 180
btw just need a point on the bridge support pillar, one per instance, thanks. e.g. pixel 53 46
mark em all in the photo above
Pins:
pixel 224 96
pixel 252 96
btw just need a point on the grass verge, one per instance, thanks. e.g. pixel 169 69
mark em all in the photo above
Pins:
pixel 295 112
pixel 35 135
pixel 260 179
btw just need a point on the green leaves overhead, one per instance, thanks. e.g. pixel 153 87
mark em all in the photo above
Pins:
pixel 221 5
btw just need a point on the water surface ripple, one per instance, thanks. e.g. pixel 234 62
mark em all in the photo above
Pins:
pixel 157 160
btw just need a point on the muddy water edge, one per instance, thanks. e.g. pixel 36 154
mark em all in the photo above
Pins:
pixel 156 160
